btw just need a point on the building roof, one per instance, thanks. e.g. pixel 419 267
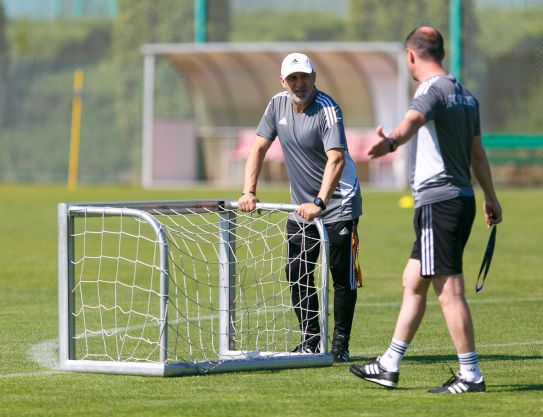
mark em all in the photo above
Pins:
pixel 230 84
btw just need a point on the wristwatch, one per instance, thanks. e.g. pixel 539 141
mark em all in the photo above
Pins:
pixel 392 144
pixel 318 202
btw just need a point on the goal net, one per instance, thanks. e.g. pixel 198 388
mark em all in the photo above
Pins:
pixel 181 287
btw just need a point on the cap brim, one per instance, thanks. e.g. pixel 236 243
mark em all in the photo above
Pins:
pixel 293 69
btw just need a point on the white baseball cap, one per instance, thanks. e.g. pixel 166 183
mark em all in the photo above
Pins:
pixel 296 62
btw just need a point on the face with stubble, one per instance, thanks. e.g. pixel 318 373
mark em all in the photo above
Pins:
pixel 300 86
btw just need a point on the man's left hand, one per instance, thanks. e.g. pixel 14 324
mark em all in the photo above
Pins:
pixel 308 211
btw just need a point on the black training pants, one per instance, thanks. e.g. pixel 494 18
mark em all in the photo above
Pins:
pixel 303 252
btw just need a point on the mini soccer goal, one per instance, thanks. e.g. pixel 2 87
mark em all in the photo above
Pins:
pixel 180 288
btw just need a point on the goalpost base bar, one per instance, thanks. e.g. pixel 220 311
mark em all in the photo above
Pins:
pixel 171 369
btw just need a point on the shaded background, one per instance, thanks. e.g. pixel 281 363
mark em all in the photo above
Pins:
pixel 42 43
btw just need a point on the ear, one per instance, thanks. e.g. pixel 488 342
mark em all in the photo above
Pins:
pixel 410 56
pixel 283 82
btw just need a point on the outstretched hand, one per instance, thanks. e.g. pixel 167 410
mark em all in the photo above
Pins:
pixel 380 148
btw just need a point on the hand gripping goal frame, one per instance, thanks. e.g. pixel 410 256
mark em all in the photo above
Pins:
pixel 167 288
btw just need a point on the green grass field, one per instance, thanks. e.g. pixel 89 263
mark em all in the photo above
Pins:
pixel 508 316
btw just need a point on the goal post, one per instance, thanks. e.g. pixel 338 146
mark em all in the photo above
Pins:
pixel 169 288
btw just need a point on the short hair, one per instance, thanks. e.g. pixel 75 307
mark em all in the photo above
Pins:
pixel 427 42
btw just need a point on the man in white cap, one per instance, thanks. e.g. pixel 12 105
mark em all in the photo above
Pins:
pixel 323 182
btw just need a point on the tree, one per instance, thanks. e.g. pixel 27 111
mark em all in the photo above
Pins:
pixel 392 20
pixel 154 21
pixel 515 86
pixel 4 69
pixel 218 21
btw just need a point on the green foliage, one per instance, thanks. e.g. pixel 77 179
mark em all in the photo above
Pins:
pixel 503 33
pixel 4 69
pixel 139 23
pixel 515 81
pixel 514 75
pixel 150 21
pixel 219 20
pixel 390 20
pixel 59 40
pixel 521 120
pixel 44 57
pixel 269 26
pixel 507 315
pixel 37 60
pixel 172 99
pixel 3 42
pixel 35 133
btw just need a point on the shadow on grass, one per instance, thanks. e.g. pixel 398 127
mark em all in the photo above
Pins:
pixel 515 387
pixel 453 358
pixel 436 359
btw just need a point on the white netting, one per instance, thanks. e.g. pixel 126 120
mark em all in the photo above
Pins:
pixel 116 289
pixel 117 285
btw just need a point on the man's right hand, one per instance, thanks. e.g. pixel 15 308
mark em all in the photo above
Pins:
pixel 380 148
pixel 247 202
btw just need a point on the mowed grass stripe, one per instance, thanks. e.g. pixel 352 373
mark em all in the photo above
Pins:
pixel 45 353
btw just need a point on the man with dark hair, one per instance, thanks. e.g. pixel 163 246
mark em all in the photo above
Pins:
pixel 427 45
pixel 323 182
pixel 444 119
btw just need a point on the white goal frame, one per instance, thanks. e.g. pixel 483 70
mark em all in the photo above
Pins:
pixel 229 359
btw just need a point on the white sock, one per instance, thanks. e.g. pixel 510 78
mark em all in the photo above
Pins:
pixel 393 356
pixel 469 367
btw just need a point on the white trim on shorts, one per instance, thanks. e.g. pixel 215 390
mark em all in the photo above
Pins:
pixel 427 242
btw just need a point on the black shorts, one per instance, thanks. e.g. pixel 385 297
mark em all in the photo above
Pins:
pixel 442 230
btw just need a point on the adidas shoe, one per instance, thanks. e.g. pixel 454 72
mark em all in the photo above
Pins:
pixel 457 385
pixel 376 373
pixel 340 348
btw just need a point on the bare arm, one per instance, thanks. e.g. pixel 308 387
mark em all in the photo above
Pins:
pixel 481 170
pixel 409 125
pixel 253 166
pixel 330 179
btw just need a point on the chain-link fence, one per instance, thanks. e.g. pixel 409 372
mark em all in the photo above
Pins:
pixel 42 44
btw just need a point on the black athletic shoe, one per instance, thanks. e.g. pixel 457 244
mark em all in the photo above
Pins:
pixel 457 385
pixel 306 347
pixel 340 348
pixel 376 373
